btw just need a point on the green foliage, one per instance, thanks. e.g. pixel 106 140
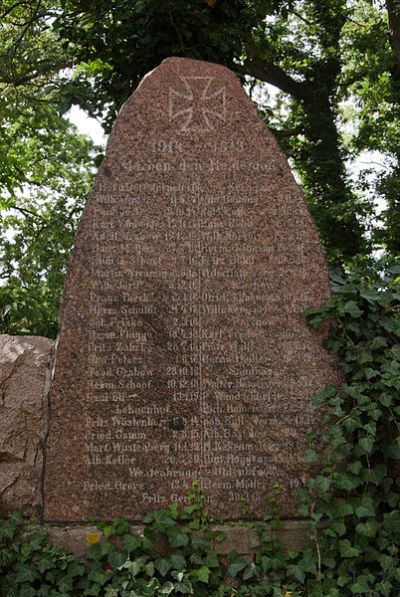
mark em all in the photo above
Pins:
pixel 304 40
pixel 45 176
pixel 358 488
pixel 372 78
pixel 117 43
pixel 170 558
pixel 38 227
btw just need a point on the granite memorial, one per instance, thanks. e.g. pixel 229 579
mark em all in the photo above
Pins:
pixel 183 353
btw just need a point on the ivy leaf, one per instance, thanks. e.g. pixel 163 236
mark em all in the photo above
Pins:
pixel 250 572
pixel 360 587
pixel 372 296
pixel 347 482
pixel 236 567
pixel 367 443
pixel 24 574
pixel 323 482
pixel 135 566
pixel 116 559
pixel 342 509
pixel 26 549
pixel 354 467
pixel 98 577
pixel 121 526
pixel 297 572
pixel 366 508
pixel 45 564
pixel 317 399
pixel 151 586
pixel 265 563
pixel 75 569
pixel 387 562
pixel 149 569
pixel 163 565
pixel 174 509
pixel 352 309
pixel 184 587
pixel 177 537
pixel 211 559
pixel 337 526
pixel 378 473
pixel 167 588
pixel 378 342
pixel 161 519
pixel 131 542
pixel 337 277
pixel 177 562
pixel 343 579
pixel 385 399
pixel 367 529
pixel 203 574
pixel 384 588
pixel 219 537
pixel 347 550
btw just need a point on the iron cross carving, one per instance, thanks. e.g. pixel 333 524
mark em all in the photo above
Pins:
pixel 198 107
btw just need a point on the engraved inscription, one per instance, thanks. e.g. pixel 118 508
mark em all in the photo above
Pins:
pixel 184 354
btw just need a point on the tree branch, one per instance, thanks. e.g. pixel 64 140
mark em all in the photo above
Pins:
pixel 54 68
pixel 34 17
pixel 25 212
pixel 11 8
pixel 175 28
pixel 287 133
pixel 267 71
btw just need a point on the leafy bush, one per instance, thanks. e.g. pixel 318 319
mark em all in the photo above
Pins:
pixel 358 490
pixel 173 557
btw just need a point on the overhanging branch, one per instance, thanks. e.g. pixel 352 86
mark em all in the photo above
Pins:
pixel 267 71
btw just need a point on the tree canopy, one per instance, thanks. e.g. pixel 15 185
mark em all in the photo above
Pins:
pixel 335 67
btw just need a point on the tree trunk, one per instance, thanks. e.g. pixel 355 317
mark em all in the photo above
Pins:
pixel 393 10
pixel 321 161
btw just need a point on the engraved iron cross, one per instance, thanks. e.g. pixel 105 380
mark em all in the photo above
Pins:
pixel 198 107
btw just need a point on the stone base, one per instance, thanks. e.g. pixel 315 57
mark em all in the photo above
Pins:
pixel 294 534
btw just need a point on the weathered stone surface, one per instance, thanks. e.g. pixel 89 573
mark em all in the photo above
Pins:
pixel 74 539
pixel 184 355
pixel 294 535
pixel 24 377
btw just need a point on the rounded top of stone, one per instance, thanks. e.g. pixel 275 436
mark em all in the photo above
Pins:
pixel 176 63
pixel 180 61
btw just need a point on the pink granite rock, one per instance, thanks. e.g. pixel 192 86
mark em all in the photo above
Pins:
pixel 184 354
pixel 24 380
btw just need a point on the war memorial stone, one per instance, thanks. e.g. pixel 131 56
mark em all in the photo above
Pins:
pixel 184 354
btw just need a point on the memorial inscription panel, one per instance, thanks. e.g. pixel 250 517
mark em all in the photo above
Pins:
pixel 183 354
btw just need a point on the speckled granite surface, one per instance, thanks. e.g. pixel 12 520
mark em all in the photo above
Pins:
pixel 184 355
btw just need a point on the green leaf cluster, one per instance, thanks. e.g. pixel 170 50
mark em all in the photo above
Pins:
pixel 46 169
pixel 360 501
